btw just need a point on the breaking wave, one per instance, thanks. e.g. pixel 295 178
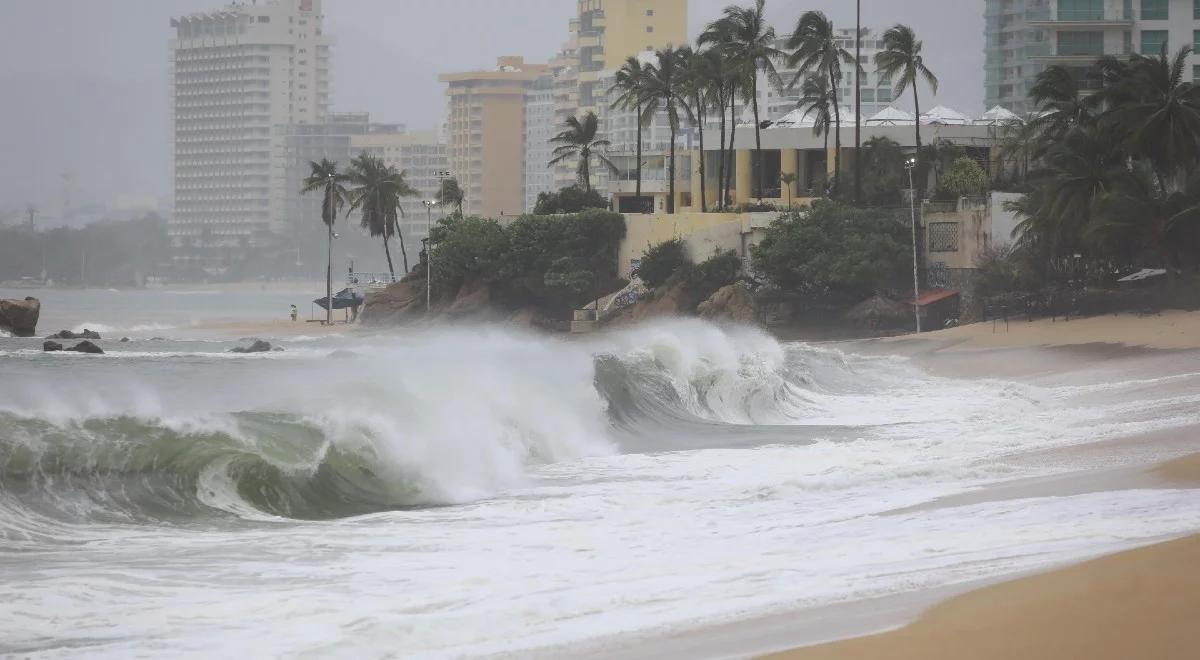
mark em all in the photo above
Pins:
pixel 444 417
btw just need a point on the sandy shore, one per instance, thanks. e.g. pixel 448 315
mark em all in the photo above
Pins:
pixel 278 328
pixel 1143 603
pixel 1170 330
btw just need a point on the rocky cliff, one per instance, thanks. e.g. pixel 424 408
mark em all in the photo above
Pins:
pixel 20 317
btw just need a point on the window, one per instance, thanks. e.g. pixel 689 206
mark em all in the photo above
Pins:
pixel 649 12
pixel 649 28
pixel 1196 73
pixel 1154 42
pixel 1155 10
pixel 264 19
pixel 1196 9
pixel 1081 43
pixel 943 237
pixel 1195 41
pixel 1080 10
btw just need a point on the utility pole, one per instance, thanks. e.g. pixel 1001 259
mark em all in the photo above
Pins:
pixel 858 103
pixel 910 165
pixel 31 210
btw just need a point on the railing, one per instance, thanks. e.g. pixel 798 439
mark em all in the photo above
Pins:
pixel 370 280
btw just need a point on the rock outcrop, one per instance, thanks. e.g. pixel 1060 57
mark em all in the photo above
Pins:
pixel 732 303
pixel 259 346
pixel 50 346
pixel 668 300
pixel 20 317
pixel 87 347
pixel 396 304
pixel 67 334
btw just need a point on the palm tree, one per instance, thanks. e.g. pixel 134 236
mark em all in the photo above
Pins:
pixel 753 44
pixel 814 49
pixel 1161 120
pixel 664 89
pixel 1136 216
pixel 325 177
pixel 817 100
pixel 901 60
pixel 1017 146
pixel 697 86
pixel 377 192
pixel 580 139
pixel 1062 104
pixel 731 74
pixel 451 193
pixel 787 179
pixel 628 82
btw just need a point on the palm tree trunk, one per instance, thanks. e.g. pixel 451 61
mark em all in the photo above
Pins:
pixel 329 261
pixel 638 193
pixel 732 137
pixel 386 251
pixel 857 102
pixel 837 134
pixel 403 252
pixel 917 123
pixel 721 159
pixel 671 175
pixel 703 188
pixel 758 188
pixel 583 171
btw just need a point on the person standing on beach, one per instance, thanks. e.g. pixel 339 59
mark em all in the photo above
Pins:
pixel 294 314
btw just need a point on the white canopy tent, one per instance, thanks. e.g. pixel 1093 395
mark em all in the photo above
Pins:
pixel 998 116
pixel 943 116
pixel 891 116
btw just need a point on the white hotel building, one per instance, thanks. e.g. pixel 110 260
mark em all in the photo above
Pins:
pixel 235 74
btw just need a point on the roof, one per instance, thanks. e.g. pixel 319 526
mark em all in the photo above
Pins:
pixel 998 115
pixel 931 296
pixel 891 116
pixel 941 115
pixel 797 117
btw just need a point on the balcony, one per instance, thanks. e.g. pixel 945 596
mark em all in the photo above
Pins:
pixel 1079 56
pixel 1082 19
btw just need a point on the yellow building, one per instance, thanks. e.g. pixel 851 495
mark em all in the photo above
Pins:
pixel 609 31
pixel 485 134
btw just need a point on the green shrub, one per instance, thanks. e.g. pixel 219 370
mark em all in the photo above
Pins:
pixel 714 273
pixel 832 250
pixel 569 200
pixel 662 261
pixel 964 178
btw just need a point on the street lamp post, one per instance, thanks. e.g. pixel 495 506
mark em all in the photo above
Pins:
pixel 910 165
pixel 428 242
pixel 329 207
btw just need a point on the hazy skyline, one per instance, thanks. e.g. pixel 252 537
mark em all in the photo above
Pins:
pixel 85 82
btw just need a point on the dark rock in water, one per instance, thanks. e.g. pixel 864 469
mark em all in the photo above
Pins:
pixel 158 339
pixel 51 346
pixel 67 334
pixel 86 347
pixel 343 355
pixel 20 317
pixel 125 340
pixel 259 346
pixel 277 349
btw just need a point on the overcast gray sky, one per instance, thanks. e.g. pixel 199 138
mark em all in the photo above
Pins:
pixel 84 81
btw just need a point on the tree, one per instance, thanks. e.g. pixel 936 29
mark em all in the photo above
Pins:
pixel 752 42
pixel 664 90
pixel 883 163
pixel 629 82
pixel 815 49
pixel 326 178
pixel 831 250
pixel 787 179
pixel 965 178
pixel 450 193
pixel 568 200
pixel 901 60
pixel 699 72
pixel 1134 216
pixel 580 139
pixel 1161 120
pixel 377 190
pixel 732 74
pixel 1062 105
pixel 660 262
pixel 817 100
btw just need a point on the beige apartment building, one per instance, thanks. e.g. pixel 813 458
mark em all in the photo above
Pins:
pixel 609 31
pixel 486 134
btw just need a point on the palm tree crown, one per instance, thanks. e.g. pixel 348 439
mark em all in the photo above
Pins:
pixel 326 178
pixel 579 139
pixel 377 192
pixel 815 49
pixel 901 60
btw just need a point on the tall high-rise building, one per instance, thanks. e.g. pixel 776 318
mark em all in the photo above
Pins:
pixel 1025 36
pixel 235 74
pixel 609 31
pixel 540 125
pixel 486 134
pixel 1011 40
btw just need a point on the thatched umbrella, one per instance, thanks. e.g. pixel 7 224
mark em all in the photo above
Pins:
pixel 878 309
